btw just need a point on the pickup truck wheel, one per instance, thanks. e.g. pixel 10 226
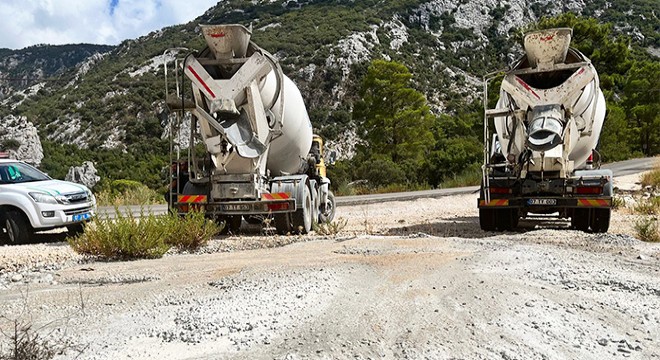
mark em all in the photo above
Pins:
pixel 302 218
pixel 18 228
pixel 600 220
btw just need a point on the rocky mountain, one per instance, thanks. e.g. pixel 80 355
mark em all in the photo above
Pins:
pixel 111 104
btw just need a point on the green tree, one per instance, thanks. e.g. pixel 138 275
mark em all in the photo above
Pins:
pixel 394 119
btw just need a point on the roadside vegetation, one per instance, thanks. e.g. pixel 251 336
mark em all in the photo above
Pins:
pixel 647 229
pixel 127 192
pixel 143 237
pixel 652 178
pixel 408 140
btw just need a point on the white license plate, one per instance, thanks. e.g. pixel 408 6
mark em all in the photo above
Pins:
pixel 81 217
pixel 236 207
pixel 535 202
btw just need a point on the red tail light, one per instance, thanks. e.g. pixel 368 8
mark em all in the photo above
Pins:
pixel 500 190
pixel 589 190
pixel 590 159
pixel 278 206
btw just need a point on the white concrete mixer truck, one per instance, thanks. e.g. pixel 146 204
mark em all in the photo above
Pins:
pixel 542 158
pixel 251 152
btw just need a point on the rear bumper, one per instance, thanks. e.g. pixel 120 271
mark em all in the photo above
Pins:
pixel 544 203
pixel 240 207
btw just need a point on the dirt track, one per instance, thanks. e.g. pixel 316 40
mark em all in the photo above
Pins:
pixel 412 280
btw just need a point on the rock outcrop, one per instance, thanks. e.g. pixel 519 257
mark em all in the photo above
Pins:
pixel 20 139
pixel 85 174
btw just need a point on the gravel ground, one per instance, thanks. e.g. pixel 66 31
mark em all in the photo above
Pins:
pixel 409 280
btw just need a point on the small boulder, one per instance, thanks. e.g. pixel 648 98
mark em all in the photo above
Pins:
pixel 85 174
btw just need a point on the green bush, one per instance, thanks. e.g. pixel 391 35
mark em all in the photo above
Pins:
pixel 650 206
pixel 191 231
pixel 144 237
pixel 127 192
pixel 10 144
pixel 647 229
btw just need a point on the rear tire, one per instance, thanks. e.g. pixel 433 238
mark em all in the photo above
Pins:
pixel 282 223
pixel 232 224
pixel 600 220
pixel 498 219
pixel 487 219
pixel 301 219
pixel 18 228
pixel 580 219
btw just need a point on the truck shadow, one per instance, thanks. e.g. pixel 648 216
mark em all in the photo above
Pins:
pixel 468 227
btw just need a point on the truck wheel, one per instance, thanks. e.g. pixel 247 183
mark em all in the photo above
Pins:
pixel 232 224
pixel 282 223
pixel 18 228
pixel 580 219
pixel 327 211
pixel 487 219
pixel 507 219
pixel 301 219
pixel 600 221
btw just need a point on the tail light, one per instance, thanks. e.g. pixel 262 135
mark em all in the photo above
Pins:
pixel 590 159
pixel 594 190
pixel 278 206
pixel 500 190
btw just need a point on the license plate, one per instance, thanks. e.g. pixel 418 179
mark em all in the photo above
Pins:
pixel 535 202
pixel 81 217
pixel 236 207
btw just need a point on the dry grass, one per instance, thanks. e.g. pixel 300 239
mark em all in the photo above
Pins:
pixel 647 229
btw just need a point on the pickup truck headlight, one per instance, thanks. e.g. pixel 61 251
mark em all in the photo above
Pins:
pixel 90 197
pixel 48 199
pixel 43 198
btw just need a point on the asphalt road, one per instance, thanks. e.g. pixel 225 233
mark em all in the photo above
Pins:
pixel 621 168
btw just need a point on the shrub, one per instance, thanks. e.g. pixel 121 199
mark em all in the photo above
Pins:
pixel 144 237
pixel 128 192
pixel 125 237
pixel 330 228
pixel 191 231
pixel 651 178
pixel 10 144
pixel 647 229
pixel 650 206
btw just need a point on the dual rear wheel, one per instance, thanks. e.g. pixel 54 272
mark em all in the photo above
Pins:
pixel 498 219
pixel 595 220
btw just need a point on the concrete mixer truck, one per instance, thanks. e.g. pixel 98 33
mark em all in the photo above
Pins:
pixel 251 152
pixel 542 158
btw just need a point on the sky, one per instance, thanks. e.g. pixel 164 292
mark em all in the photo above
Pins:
pixel 56 22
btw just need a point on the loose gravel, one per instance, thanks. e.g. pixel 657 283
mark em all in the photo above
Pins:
pixel 402 280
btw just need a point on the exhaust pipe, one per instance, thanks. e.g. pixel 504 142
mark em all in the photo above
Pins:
pixel 546 128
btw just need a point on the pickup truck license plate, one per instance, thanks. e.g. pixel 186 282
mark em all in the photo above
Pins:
pixel 535 202
pixel 236 207
pixel 81 217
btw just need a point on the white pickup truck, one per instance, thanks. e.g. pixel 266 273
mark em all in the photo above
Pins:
pixel 31 201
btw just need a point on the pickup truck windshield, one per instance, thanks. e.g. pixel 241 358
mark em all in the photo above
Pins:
pixel 13 173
